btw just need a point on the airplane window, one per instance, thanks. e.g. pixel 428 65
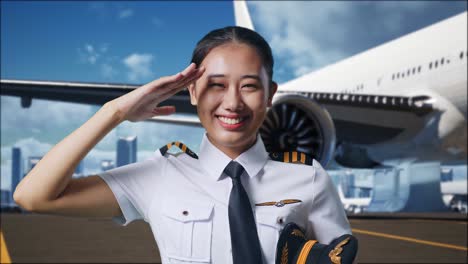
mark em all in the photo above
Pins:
pixel 442 61
pixel 435 64
pixel 461 55
pixel 398 75
pixel 393 76
pixel 403 75
pixel 408 72
pixel 419 68
pixel 414 70
pixel 430 65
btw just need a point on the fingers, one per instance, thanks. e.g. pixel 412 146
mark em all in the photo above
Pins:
pixel 176 77
pixel 173 90
pixel 190 77
pixel 164 110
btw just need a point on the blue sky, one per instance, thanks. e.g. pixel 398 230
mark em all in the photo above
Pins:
pixel 136 42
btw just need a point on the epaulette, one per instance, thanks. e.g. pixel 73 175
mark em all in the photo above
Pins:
pixel 292 157
pixel 181 146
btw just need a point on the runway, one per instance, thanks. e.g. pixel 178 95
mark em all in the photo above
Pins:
pixel 383 238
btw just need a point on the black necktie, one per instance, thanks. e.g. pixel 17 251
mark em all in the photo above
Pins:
pixel 244 239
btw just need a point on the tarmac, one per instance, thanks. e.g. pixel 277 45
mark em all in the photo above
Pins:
pixel 383 238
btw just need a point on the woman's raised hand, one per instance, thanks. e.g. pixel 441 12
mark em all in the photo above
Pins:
pixel 142 103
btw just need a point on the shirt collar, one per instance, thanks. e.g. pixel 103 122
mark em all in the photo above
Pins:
pixel 214 160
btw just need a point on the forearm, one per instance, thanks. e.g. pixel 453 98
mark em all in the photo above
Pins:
pixel 49 178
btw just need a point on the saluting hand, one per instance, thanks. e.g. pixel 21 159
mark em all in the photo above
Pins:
pixel 142 103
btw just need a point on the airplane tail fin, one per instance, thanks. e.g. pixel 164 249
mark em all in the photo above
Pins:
pixel 241 14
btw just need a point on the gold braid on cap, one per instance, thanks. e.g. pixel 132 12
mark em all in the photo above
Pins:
pixel 333 255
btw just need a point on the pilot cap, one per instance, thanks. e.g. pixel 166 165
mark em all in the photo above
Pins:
pixel 293 248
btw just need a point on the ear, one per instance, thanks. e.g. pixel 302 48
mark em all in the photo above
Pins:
pixel 193 95
pixel 273 89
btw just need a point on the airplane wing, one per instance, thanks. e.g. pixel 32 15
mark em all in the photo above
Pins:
pixel 94 93
pixel 378 118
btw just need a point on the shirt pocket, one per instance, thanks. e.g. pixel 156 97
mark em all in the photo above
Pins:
pixel 269 225
pixel 189 225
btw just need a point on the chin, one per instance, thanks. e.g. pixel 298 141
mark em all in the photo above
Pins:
pixel 233 139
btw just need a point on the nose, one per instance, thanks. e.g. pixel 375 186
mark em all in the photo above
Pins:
pixel 232 100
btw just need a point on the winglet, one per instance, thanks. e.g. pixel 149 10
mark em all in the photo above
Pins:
pixel 242 15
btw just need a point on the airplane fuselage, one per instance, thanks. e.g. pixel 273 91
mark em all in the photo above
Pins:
pixel 432 63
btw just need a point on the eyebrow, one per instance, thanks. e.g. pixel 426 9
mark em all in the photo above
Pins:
pixel 256 77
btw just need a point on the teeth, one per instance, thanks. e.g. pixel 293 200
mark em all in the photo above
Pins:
pixel 230 121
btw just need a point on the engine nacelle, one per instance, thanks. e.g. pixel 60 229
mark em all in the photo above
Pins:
pixel 297 123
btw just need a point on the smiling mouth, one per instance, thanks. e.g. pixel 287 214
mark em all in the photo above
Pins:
pixel 231 121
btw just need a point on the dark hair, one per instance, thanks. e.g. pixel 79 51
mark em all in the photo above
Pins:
pixel 226 35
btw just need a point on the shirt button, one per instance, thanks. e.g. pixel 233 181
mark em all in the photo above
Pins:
pixel 280 220
pixel 185 213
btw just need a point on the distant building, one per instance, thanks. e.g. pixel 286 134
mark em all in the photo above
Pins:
pixel 446 174
pixel 348 184
pixel 32 161
pixel 16 170
pixel 126 151
pixel 5 198
pixel 107 165
pixel 79 170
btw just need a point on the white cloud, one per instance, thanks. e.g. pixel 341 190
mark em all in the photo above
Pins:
pixel 42 114
pixel 139 65
pixel 108 71
pixel 97 55
pixel 307 35
pixel 126 13
pixel 297 30
pixel 104 47
pixel 88 54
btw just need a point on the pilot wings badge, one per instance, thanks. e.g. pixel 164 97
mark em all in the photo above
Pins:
pixel 281 203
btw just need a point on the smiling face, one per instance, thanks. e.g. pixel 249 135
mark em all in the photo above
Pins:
pixel 232 97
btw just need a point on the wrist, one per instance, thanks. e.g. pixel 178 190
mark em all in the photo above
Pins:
pixel 113 112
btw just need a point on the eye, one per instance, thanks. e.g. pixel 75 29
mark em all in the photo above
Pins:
pixel 216 85
pixel 250 86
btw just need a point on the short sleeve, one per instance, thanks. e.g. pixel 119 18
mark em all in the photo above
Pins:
pixel 133 187
pixel 327 217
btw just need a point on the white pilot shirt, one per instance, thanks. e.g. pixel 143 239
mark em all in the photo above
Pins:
pixel 185 201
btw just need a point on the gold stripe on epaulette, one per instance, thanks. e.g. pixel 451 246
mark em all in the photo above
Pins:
pixel 303 157
pixel 181 146
pixel 294 156
pixel 286 156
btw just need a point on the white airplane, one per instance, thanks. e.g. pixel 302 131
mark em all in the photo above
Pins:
pixel 403 100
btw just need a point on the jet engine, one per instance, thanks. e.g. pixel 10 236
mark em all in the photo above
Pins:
pixel 297 123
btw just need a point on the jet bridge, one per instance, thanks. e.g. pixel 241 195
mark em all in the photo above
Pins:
pixel 409 187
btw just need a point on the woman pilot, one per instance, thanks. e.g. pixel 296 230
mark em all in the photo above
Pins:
pixel 226 205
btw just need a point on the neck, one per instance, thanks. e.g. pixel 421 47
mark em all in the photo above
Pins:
pixel 233 151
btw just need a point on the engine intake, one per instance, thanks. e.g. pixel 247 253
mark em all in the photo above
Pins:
pixel 297 123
